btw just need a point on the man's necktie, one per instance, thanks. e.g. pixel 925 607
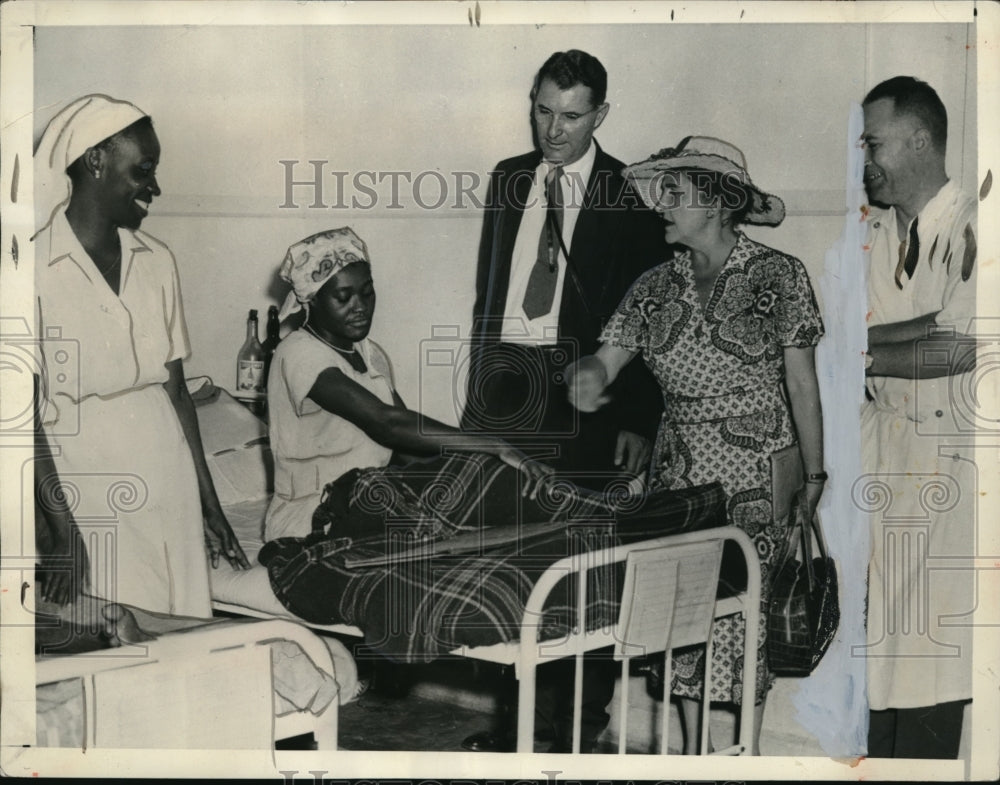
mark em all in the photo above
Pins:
pixel 541 290
pixel 909 252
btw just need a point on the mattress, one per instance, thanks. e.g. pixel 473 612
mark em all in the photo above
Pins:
pixel 249 589
pixel 240 462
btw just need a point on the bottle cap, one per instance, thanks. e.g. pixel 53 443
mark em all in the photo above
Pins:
pixel 253 313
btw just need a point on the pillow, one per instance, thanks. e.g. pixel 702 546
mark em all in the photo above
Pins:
pixel 236 449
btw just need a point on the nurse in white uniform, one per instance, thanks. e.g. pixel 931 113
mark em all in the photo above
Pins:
pixel 121 478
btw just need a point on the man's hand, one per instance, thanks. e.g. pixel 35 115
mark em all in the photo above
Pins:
pixel 632 452
pixel 219 539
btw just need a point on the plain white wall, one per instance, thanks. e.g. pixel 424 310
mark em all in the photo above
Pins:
pixel 229 103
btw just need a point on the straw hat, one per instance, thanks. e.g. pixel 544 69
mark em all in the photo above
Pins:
pixel 714 155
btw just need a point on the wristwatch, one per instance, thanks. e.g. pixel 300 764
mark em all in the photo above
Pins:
pixel 817 477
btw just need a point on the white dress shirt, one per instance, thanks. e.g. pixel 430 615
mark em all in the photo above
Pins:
pixel 543 330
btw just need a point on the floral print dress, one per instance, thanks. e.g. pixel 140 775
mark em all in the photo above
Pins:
pixel 721 369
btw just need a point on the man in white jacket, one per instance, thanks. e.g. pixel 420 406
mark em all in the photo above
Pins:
pixel 917 427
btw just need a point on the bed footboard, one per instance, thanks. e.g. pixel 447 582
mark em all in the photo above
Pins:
pixel 186 654
pixel 668 601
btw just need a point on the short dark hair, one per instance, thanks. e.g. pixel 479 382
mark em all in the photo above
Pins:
pixel 568 69
pixel 911 96
pixel 75 169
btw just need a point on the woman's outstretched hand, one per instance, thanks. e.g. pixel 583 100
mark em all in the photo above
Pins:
pixel 220 540
pixel 586 381
pixel 535 474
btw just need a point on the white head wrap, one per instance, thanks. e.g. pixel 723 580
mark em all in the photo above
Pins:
pixel 310 263
pixel 81 125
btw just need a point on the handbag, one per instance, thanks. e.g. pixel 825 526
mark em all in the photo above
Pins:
pixel 804 608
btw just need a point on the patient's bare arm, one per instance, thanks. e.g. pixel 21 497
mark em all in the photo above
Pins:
pixel 407 431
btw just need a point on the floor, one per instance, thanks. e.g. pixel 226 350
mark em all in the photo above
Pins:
pixel 434 707
pixel 422 708
pixel 380 722
pixel 417 707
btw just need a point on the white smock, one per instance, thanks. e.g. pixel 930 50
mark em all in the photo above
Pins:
pixel 311 446
pixel 121 454
pixel 922 484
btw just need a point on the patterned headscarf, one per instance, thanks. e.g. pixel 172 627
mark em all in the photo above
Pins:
pixel 312 262
pixel 86 122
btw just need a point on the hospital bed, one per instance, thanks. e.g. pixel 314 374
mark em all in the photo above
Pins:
pixel 670 597
pixel 218 684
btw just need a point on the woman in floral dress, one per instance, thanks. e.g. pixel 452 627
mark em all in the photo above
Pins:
pixel 728 327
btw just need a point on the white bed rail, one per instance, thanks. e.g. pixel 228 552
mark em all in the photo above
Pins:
pixel 187 645
pixel 529 652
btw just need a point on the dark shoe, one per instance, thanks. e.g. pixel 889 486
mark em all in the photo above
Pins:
pixel 488 741
pixel 652 669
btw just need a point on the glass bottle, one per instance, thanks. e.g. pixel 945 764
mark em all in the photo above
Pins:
pixel 250 361
pixel 272 339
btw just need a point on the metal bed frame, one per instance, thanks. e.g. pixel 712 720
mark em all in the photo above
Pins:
pixel 678 574
pixel 185 649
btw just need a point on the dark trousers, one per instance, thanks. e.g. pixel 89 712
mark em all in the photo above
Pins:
pixel 926 732
pixel 521 397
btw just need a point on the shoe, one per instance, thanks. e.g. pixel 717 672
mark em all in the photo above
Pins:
pixel 489 741
pixel 653 669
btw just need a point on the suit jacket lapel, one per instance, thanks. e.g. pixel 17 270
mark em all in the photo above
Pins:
pixel 595 274
pixel 509 221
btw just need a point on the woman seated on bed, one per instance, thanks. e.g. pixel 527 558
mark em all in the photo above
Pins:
pixel 333 406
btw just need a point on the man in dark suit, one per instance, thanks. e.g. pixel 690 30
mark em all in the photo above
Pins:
pixel 608 238
pixel 564 236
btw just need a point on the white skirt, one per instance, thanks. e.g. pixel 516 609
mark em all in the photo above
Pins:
pixel 130 480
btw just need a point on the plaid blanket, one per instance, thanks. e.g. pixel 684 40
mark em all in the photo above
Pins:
pixel 416 610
